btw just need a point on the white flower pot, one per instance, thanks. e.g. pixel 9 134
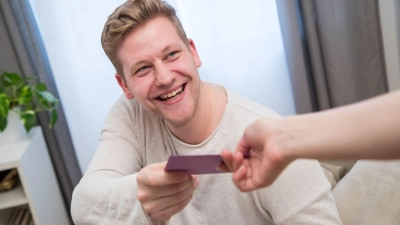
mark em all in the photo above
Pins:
pixel 14 131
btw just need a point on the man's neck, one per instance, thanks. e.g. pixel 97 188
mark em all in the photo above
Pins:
pixel 210 108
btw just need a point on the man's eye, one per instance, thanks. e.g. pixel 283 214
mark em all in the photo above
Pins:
pixel 143 68
pixel 172 54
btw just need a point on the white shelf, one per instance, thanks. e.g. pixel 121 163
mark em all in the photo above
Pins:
pixel 12 198
pixel 10 154
pixel 38 187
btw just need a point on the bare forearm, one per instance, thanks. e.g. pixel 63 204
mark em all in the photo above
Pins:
pixel 366 130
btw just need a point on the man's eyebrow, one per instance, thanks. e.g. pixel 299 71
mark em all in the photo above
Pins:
pixel 168 47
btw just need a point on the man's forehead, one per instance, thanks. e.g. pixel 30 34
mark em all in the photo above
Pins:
pixel 146 36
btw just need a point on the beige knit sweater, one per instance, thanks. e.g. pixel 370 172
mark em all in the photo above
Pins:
pixel 133 138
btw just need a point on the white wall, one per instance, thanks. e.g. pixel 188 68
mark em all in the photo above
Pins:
pixel 239 43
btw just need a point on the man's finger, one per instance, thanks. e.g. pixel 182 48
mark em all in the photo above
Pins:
pixel 169 212
pixel 167 206
pixel 152 193
pixel 155 176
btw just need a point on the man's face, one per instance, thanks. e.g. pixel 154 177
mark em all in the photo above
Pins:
pixel 161 71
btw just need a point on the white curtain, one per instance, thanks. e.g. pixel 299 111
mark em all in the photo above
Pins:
pixel 239 42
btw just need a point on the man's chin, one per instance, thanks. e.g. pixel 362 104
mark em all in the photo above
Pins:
pixel 176 122
pixel 177 118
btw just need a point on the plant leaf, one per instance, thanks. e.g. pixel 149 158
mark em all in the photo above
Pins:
pixel 11 79
pixel 28 119
pixel 49 97
pixel 26 95
pixel 3 123
pixel 17 92
pixel 41 87
pixel 43 103
pixel 53 118
pixel 4 105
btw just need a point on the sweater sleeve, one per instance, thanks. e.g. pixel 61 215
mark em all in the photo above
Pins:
pixel 107 192
pixel 300 195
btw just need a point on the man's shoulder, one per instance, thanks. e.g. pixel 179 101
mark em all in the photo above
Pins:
pixel 122 104
pixel 246 105
pixel 124 108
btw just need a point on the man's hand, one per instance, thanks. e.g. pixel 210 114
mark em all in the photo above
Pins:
pixel 163 194
pixel 261 141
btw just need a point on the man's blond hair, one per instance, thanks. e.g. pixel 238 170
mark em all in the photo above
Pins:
pixel 128 17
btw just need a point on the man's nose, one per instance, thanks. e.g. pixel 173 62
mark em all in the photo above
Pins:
pixel 163 75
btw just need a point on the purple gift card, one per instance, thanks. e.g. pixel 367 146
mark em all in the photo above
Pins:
pixel 194 164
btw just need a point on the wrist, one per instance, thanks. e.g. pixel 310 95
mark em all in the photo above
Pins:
pixel 281 139
pixel 292 137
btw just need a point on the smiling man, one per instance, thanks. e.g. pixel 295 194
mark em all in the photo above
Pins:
pixel 167 110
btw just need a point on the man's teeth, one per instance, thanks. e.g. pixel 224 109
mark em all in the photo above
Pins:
pixel 172 94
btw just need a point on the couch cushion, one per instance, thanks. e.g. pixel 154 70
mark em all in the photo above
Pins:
pixel 333 173
pixel 346 164
pixel 370 193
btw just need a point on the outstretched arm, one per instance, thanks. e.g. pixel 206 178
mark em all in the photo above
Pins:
pixel 366 130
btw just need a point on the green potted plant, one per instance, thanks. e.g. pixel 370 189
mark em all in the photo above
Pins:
pixel 25 97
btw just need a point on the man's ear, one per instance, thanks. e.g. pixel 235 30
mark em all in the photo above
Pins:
pixel 193 50
pixel 124 86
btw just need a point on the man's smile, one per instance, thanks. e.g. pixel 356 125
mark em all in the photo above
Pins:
pixel 173 94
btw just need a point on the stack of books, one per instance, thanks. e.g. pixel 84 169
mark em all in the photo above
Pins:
pixel 20 216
